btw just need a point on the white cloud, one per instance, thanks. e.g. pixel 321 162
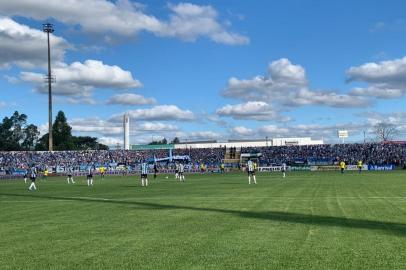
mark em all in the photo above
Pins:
pixel 252 110
pixel 2 104
pixel 115 127
pixel 306 96
pixel 80 79
pixel 379 26
pixel 130 99
pixel 155 127
pixel 81 100
pixel 26 47
pixel 276 131
pixel 382 72
pixel 286 85
pixel 189 21
pixel 396 118
pixel 43 129
pixel 124 18
pixel 96 125
pixel 11 79
pixel 315 131
pixel 386 79
pixel 110 131
pixel 160 113
pixel 377 91
pixel 110 141
pixel 242 131
pixel 203 135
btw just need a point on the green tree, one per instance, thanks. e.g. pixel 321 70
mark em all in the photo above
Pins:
pixel 175 140
pixel 12 132
pixel 163 141
pixel 31 135
pixel 42 144
pixel 62 133
pixel 16 135
pixel 87 142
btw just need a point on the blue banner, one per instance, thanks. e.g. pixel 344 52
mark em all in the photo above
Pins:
pixel 381 167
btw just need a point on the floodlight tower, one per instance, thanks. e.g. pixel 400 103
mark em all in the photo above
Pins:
pixel 126 124
pixel 49 28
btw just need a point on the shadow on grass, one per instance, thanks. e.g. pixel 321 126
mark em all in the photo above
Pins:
pixel 383 226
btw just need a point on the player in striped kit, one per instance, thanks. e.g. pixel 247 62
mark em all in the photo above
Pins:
pixel 283 169
pixel 181 168
pixel 90 176
pixel 144 174
pixel 33 177
pixel 176 170
pixel 70 175
pixel 251 171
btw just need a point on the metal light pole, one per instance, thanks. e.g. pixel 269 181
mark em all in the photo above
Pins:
pixel 49 28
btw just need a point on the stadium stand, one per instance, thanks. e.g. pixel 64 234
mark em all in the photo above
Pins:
pixel 327 154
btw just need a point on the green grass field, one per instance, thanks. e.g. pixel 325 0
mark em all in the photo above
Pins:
pixel 308 221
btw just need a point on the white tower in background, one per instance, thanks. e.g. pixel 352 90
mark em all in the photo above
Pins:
pixel 126 124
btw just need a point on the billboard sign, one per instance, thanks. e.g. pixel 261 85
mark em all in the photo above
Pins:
pixel 342 134
pixel 381 167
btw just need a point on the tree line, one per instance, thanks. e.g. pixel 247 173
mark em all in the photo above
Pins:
pixel 165 141
pixel 16 134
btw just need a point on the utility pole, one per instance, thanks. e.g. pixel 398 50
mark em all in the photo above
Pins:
pixel 49 28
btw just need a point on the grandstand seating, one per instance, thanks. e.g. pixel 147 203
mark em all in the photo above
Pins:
pixel 327 154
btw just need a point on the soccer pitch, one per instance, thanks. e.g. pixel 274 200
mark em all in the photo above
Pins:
pixel 311 220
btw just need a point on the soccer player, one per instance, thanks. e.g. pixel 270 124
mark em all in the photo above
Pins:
pixel 359 165
pixel 45 176
pixel 181 171
pixel 90 176
pixel 155 170
pixel 70 175
pixel 26 176
pixel 342 166
pixel 176 170
pixel 251 171
pixel 102 170
pixel 125 171
pixel 284 170
pixel 202 168
pixel 144 174
pixel 33 177
pixel 222 168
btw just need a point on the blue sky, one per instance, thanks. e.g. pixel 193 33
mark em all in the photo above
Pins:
pixel 208 69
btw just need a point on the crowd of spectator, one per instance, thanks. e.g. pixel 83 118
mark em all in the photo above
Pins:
pixel 208 156
pixel 327 154
pixel 11 161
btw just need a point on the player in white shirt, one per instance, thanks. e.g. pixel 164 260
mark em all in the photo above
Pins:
pixel 90 176
pixel 70 175
pixel 144 174
pixel 251 172
pixel 33 177
pixel 283 169
pixel 26 176
pixel 176 170
pixel 181 169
